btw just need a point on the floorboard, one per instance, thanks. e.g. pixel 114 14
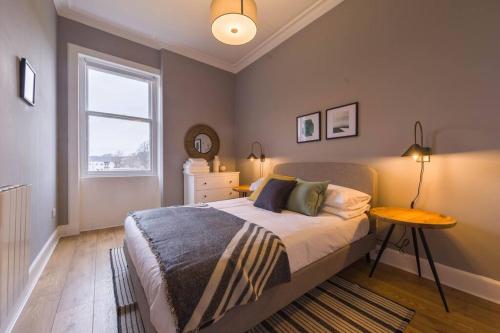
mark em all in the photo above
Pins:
pixel 75 293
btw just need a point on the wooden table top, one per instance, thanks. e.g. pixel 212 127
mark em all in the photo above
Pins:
pixel 414 217
pixel 242 189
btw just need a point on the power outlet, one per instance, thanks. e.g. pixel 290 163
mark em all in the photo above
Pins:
pixel 54 213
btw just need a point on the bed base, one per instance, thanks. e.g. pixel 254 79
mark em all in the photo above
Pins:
pixel 243 318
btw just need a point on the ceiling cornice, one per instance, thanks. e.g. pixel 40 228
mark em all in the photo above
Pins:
pixel 319 8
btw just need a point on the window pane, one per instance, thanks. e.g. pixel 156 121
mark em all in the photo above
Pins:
pixel 113 93
pixel 118 145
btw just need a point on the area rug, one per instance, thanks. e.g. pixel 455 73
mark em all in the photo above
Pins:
pixel 337 305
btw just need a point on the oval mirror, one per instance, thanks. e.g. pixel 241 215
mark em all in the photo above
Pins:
pixel 202 142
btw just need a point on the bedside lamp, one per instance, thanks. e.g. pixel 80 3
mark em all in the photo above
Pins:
pixel 420 154
pixel 262 157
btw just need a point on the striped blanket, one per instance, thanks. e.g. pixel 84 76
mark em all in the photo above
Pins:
pixel 211 261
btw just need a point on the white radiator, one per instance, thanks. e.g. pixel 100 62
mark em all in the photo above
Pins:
pixel 14 245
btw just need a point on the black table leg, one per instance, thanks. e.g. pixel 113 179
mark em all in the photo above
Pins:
pixel 433 268
pixel 382 248
pixel 415 246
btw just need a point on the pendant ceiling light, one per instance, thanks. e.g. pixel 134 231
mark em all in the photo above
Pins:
pixel 234 21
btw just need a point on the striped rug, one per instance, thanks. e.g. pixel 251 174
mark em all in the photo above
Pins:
pixel 128 315
pixel 336 305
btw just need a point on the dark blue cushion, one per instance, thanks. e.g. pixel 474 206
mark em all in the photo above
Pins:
pixel 275 195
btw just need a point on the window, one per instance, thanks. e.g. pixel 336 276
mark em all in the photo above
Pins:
pixel 118 117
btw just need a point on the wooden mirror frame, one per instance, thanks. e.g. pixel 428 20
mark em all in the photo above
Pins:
pixel 192 133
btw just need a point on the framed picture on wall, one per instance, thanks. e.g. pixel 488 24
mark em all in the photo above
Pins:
pixel 342 121
pixel 309 127
pixel 27 82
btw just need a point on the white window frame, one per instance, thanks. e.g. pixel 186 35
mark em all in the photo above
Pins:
pixel 85 62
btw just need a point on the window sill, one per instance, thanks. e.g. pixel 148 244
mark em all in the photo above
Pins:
pixel 120 175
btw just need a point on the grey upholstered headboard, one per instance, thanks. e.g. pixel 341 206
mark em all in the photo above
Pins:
pixel 356 176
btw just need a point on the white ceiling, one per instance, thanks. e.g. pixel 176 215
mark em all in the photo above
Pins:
pixel 183 26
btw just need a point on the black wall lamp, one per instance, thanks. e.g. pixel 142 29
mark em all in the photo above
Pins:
pixel 252 156
pixel 420 154
pixel 418 151
pixel 262 157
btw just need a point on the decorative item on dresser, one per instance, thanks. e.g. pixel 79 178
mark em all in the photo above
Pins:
pixel 196 165
pixel 216 164
pixel 208 187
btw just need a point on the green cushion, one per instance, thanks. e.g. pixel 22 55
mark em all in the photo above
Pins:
pixel 307 197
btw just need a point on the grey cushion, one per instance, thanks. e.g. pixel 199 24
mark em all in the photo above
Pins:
pixel 275 194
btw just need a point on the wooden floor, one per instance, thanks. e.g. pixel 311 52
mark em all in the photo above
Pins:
pixel 75 293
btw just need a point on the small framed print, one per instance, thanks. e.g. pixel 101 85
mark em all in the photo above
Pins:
pixel 309 127
pixel 342 121
pixel 27 81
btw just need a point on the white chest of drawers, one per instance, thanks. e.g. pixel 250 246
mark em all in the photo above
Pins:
pixel 208 187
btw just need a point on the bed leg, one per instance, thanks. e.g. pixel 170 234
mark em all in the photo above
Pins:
pixel 367 257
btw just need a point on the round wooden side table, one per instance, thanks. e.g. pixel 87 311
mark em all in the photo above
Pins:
pixel 416 219
pixel 243 190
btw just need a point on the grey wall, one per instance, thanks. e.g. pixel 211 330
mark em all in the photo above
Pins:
pixel 402 60
pixel 193 93
pixel 28 134
pixel 76 33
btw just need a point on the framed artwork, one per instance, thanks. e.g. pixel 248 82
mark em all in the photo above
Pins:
pixel 342 121
pixel 27 81
pixel 309 127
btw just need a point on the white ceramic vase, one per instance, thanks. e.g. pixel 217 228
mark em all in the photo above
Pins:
pixel 216 163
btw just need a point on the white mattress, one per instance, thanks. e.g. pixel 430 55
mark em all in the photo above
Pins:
pixel 306 239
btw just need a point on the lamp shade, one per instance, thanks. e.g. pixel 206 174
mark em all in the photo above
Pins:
pixel 414 150
pixel 234 22
pixel 419 153
pixel 252 157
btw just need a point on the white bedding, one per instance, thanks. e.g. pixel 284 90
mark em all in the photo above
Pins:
pixel 306 239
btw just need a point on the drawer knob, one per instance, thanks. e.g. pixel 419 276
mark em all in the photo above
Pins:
pixel 230 182
pixel 205 196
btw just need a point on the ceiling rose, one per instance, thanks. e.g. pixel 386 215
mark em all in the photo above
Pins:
pixel 234 21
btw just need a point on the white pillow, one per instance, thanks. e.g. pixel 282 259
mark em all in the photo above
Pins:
pixel 346 214
pixel 345 198
pixel 255 185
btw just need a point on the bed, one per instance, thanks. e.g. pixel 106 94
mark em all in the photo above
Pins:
pixel 318 247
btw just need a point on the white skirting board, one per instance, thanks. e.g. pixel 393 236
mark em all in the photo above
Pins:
pixel 470 283
pixel 35 271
